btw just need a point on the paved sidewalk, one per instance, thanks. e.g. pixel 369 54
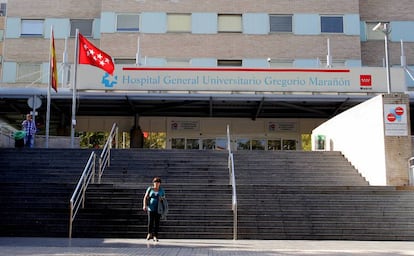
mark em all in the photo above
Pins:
pixel 187 247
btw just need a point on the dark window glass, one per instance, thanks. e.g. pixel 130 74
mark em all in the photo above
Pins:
pixel 332 25
pixel 281 23
pixel 84 26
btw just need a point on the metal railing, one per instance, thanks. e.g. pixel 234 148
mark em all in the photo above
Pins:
pixel 79 195
pixel 105 157
pixel 411 171
pixel 6 136
pixel 232 183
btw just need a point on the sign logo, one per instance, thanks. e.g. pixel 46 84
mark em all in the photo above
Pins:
pixel 391 117
pixel 107 82
pixel 399 111
pixel 365 81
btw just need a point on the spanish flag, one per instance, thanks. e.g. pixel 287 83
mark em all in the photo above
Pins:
pixel 53 68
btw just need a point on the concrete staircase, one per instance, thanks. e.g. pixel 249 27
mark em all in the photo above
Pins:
pixel 295 168
pixel 35 188
pixel 281 195
pixel 196 184
pixel 316 195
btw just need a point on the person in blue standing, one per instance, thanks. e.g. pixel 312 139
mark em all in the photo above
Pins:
pixel 153 196
pixel 29 127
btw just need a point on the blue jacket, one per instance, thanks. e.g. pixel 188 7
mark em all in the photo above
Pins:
pixel 154 198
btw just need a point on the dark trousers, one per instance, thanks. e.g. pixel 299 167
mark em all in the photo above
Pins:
pixel 153 223
pixel 29 141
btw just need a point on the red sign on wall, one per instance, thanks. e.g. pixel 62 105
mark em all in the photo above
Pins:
pixel 365 80
pixel 396 121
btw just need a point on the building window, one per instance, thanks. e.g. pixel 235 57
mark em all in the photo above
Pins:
pixel 332 24
pixel 3 9
pixel 178 62
pixel 280 63
pixel 335 63
pixel 243 144
pixel 32 27
pixel 275 144
pixel 230 23
pixel 178 143
pixel 29 73
pixel 125 61
pixel 374 35
pixel 208 143
pixel 192 144
pixel 127 22
pixel 220 144
pixel 280 23
pixel 179 22
pixel 259 144
pixel 84 26
pixel 229 63
pixel 289 144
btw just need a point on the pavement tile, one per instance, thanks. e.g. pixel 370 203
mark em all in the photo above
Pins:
pixel 194 247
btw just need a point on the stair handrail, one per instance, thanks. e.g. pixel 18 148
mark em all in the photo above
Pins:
pixel 232 183
pixel 79 194
pixel 105 157
pixel 6 135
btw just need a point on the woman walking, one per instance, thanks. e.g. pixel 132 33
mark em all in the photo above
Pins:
pixel 153 197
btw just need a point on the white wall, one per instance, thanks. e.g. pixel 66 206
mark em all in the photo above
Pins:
pixel 359 134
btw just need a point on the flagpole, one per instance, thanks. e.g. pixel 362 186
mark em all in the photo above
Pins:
pixel 73 123
pixel 48 90
pixel 65 64
pixel 329 56
pixel 403 58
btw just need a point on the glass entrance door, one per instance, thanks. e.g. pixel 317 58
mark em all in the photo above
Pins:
pixel 241 144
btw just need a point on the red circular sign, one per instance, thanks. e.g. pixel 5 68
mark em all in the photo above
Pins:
pixel 399 111
pixel 391 117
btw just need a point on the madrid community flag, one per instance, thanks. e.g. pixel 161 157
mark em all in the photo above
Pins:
pixel 90 54
pixel 53 67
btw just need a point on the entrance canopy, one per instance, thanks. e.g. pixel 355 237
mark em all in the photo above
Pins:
pixel 14 104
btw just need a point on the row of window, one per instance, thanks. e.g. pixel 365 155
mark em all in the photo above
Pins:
pixel 158 140
pixel 227 23
pixel 241 144
pixel 36 27
pixel 272 63
pixel 181 23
